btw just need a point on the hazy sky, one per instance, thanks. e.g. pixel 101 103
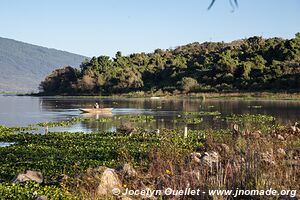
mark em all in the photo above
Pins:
pixel 102 27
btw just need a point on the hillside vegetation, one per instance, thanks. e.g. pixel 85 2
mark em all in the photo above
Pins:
pixel 23 66
pixel 253 64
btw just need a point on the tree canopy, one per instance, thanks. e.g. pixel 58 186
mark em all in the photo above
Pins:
pixel 252 64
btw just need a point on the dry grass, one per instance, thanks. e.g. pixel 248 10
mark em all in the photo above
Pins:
pixel 250 161
pixel 245 163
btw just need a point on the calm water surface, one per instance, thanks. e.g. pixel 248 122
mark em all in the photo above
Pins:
pixel 24 110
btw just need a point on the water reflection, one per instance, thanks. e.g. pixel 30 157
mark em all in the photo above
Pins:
pixel 22 111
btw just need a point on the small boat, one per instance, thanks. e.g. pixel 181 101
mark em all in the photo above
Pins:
pixel 96 110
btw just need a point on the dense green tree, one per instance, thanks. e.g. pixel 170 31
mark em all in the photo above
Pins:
pixel 62 80
pixel 243 65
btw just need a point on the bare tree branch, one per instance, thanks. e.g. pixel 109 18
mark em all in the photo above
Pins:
pixel 211 4
pixel 234 4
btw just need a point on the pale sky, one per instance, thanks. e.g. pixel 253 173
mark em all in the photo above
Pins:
pixel 103 27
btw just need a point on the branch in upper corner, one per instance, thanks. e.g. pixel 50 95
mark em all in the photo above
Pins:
pixel 233 5
pixel 211 4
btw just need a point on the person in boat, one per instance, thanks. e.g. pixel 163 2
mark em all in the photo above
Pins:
pixel 96 105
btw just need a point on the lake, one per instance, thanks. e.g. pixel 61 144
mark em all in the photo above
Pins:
pixel 26 110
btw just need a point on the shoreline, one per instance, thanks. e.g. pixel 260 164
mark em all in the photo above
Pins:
pixel 222 95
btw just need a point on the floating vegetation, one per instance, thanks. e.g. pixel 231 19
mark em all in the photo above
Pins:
pixel 70 122
pixel 29 128
pixel 7 133
pixel 250 118
pixel 214 113
pixel 137 118
pixel 58 153
pixel 75 120
pixel 163 153
pixel 195 120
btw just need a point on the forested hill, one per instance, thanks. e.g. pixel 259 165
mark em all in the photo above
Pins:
pixel 253 64
pixel 23 66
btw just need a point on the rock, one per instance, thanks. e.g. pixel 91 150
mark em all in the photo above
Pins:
pixel 196 157
pixel 101 181
pixel 108 181
pixel 210 158
pixel 41 197
pixel 281 152
pixel 29 176
pixel 129 171
pixel 280 137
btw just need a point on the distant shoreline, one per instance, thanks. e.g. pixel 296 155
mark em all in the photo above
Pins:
pixel 223 95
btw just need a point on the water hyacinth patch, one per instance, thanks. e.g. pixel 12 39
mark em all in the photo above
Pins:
pixel 204 113
pixel 250 118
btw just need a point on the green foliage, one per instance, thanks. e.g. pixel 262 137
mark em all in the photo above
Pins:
pixel 264 123
pixel 61 80
pixel 207 113
pixel 251 118
pixel 138 118
pixel 253 64
pixel 70 122
pixel 68 153
pixel 194 120
pixel 168 152
pixel 188 84
pixel 72 153
pixel 30 190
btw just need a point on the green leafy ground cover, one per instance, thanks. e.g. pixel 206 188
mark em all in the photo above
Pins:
pixel 68 153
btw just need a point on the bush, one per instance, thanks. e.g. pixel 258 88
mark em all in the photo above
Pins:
pixel 188 84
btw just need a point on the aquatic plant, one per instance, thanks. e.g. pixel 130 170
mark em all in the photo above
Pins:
pixel 69 122
pixel 250 118
pixel 207 113
pixel 137 118
pixel 191 120
pixel 31 190
pixel 243 162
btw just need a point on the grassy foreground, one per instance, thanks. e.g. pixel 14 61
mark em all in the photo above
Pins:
pixel 251 158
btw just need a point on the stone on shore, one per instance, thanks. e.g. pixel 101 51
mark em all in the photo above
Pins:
pixel 29 176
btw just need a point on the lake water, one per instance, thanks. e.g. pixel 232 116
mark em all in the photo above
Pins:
pixel 25 110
